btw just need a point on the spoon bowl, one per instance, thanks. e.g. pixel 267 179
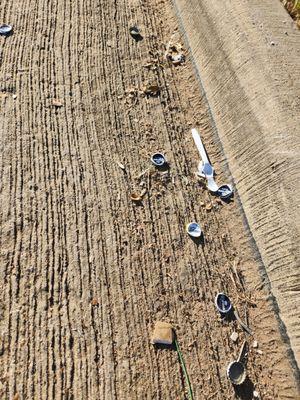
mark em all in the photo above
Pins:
pixel 194 229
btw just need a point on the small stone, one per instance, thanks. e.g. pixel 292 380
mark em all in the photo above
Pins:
pixel 163 333
pixel 255 344
pixel 234 336
pixel 259 352
pixel 256 394
pixel 272 43
pixel 14 96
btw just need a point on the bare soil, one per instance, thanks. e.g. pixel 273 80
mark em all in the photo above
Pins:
pixel 85 272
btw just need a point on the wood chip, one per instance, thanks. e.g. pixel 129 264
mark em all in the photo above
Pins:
pixel 57 103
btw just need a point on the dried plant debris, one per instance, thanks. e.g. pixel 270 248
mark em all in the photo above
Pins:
pixel 293 8
pixel 175 53
pixel 120 165
pixel 57 103
pixel 151 89
pixel 137 197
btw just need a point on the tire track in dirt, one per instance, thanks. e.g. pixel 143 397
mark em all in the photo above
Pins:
pixel 85 272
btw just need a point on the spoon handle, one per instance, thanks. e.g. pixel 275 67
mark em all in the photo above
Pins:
pixel 200 146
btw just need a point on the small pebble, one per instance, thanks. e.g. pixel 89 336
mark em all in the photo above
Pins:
pixel 256 394
pixel 272 43
pixel 255 344
pixel 234 336
pixel 259 352
pixel 14 96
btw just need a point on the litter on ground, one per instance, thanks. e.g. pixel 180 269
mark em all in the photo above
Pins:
pixel 135 33
pixel 223 303
pixel 163 333
pixel 205 170
pixel 158 159
pixel 194 229
pixel 5 29
pixel 236 370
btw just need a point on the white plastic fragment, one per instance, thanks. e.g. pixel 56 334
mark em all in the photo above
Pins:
pixel 234 336
pixel 194 229
pixel 5 29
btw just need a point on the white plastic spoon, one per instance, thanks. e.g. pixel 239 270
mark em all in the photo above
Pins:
pixel 206 168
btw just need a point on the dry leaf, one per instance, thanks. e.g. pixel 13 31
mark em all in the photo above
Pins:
pixel 95 302
pixel 135 197
pixel 152 89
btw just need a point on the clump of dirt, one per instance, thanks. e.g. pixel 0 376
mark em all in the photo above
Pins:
pixel 293 8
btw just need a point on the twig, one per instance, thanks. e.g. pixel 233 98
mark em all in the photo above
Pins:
pixel 243 325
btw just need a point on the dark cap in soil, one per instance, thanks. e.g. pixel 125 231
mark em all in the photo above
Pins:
pixel 236 372
pixel 5 30
pixel 158 159
pixel 135 33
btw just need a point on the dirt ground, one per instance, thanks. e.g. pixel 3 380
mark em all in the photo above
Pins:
pixel 85 272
